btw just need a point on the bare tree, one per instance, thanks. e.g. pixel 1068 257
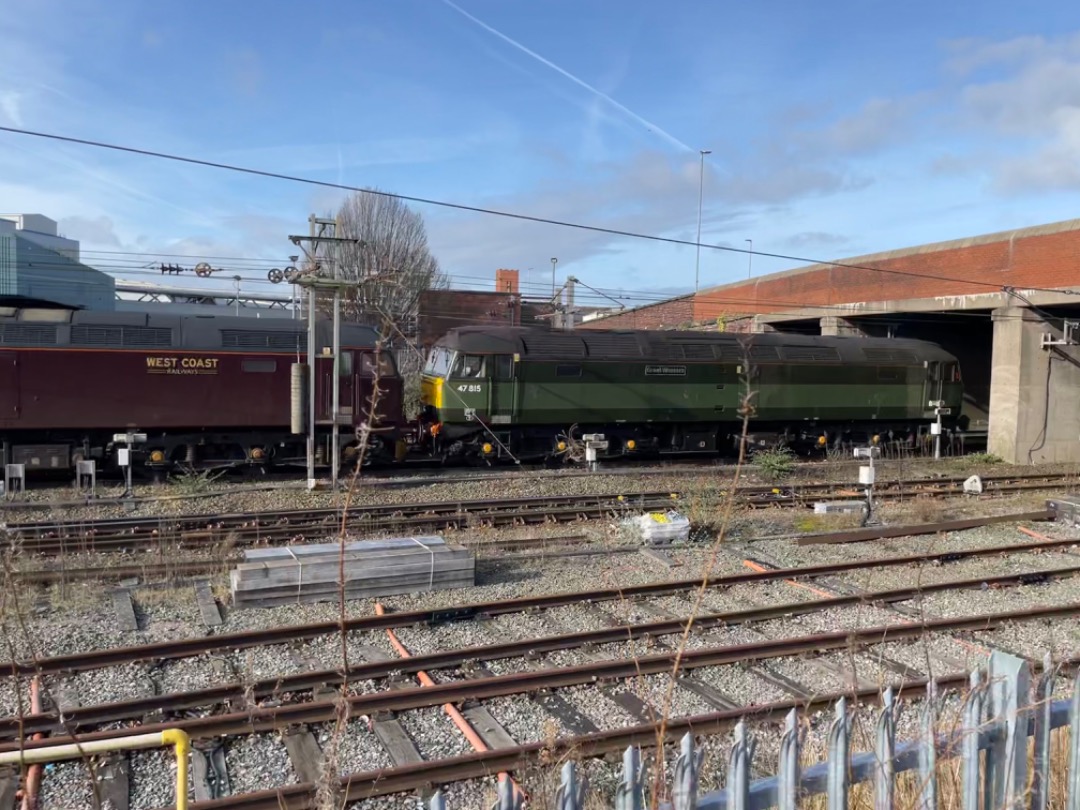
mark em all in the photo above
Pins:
pixel 392 261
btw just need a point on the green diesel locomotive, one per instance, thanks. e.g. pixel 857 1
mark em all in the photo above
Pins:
pixel 493 390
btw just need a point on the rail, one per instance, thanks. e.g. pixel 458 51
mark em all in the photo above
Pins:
pixel 81 717
pixel 188 647
pixel 268 718
pixel 998 718
pixel 988 750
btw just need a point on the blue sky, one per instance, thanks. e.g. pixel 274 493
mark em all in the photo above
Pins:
pixel 836 128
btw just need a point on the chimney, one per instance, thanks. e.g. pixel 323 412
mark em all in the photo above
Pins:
pixel 506 281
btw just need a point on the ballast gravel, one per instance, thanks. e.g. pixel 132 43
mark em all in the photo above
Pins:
pixel 257 762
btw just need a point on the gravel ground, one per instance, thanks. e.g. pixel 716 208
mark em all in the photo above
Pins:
pixel 153 779
pixel 78 618
pixel 434 733
pixel 67 786
pixel 256 762
pixel 358 749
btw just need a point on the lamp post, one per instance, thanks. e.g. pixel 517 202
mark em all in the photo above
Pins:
pixel 700 197
pixel 554 262
pixel 750 258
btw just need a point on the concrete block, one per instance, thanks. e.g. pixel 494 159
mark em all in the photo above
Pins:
pixel 839 507
pixel 1066 509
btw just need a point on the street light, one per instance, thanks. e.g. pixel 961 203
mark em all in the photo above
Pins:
pixel 750 258
pixel 554 262
pixel 700 197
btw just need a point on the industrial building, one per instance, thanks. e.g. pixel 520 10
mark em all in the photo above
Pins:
pixel 40 267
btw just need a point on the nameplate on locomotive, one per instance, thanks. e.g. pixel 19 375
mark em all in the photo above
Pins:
pixel 182 365
pixel 665 371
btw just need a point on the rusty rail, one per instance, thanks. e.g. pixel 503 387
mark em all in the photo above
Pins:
pixel 257 719
pixel 78 718
pixel 184 648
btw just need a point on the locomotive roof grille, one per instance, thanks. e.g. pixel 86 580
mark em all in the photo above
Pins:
pixel 615 346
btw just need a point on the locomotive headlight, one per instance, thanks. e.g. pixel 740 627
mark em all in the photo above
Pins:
pixel 560 446
pixel 256 453
pixel 630 444
pixel 875 439
pixel 487 448
pixel 157 456
pixel 821 440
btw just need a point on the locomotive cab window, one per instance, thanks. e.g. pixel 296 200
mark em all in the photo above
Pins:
pixel 345 365
pixel 386 365
pixel 504 367
pixel 438 363
pixel 568 370
pixel 469 365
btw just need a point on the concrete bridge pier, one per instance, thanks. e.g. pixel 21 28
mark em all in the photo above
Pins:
pixel 1034 390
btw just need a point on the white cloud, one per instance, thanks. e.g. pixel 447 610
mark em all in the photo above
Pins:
pixel 10 101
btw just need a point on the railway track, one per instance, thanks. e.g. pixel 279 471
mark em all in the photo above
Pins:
pixel 184 648
pixel 420 776
pixel 263 709
pixel 286 688
pixel 256 719
pixel 210 530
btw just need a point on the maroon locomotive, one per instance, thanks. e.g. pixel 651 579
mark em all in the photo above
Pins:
pixel 206 390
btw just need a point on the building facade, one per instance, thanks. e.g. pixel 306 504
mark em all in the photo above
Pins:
pixel 40 267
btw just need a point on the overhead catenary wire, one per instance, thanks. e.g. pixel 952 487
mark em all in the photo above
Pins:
pixel 487 211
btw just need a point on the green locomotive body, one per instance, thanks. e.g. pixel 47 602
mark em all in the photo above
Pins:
pixel 490 390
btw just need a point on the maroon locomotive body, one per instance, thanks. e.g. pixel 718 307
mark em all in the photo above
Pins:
pixel 206 390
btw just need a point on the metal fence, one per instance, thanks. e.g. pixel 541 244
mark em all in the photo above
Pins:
pixel 1000 712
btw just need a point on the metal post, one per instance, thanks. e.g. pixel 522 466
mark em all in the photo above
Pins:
pixel 311 373
pixel 554 262
pixel 750 259
pixel 130 463
pixel 937 436
pixel 335 450
pixel 700 198
pixel 568 316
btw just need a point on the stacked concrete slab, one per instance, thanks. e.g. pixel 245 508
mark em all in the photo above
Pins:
pixel 269 577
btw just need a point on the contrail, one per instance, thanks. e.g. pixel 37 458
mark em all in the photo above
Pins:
pixel 649 125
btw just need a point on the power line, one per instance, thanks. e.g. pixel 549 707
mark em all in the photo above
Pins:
pixel 491 211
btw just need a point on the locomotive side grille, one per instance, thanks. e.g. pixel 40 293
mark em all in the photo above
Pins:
pixel 258 339
pixel 811 354
pixel 147 337
pixel 27 334
pixel 132 337
pixel 899 356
